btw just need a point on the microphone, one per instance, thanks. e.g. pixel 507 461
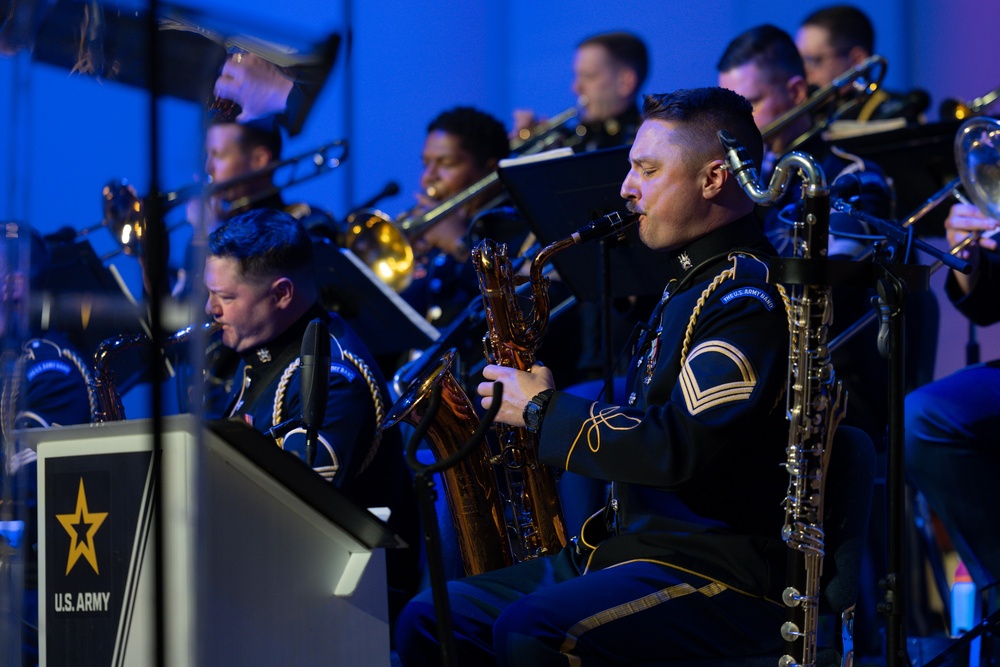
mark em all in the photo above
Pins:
pixel 612 223
pixel 315 382
pixel 391 188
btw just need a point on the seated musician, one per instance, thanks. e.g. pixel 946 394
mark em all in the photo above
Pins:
pixel 763 65
pixel 261 288
pixel 237 151
pixel 952 449
pixel 49 387
pixel 834 39
pixel 686 561
pixel 462 147
pixel 608 71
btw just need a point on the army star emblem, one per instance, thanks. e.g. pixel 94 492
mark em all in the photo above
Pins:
pixel 263 354
pixel 685 261
pixel 82 522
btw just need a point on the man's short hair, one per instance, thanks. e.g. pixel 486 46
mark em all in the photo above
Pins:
pixel 702 112
pixel 848 27
pixel 479 134
pixel 265 134
pixel 625 49
pixel 266 243
pixel 770 48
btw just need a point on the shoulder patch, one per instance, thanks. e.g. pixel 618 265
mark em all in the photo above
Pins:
pixel 716 373
pixel 343 369
pixel 749 292
pixel 49 366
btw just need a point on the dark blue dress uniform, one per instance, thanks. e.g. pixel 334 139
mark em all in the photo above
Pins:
pixel 266 391
pixel 687 560
pixel 49 388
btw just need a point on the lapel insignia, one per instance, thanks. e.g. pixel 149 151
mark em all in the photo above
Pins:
pixel 685 261
pixel 263 354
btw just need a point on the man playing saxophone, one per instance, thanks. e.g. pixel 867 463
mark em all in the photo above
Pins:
pixel 261 289
pixel 685 561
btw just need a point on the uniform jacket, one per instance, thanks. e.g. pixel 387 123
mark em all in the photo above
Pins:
pixel 695 454
pixel 981 305
pixel 372 474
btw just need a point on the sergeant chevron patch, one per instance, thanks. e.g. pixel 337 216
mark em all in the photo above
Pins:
pixel 725 372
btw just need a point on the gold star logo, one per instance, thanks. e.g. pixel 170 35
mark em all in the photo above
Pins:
pixel 82 521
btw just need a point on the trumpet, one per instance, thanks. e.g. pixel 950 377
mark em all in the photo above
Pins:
pixel 386 245
pixel 864 79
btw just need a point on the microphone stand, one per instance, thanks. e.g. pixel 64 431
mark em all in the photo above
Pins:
pixel 892 296
pixel 426 494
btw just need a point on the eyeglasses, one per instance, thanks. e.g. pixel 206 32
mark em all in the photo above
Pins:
pixel 812 62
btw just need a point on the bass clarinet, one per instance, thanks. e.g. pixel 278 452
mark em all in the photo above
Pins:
pixel 815 403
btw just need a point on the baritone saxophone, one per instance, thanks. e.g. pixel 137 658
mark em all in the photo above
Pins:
pixel 534 516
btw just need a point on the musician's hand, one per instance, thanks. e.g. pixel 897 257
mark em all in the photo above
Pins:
pixel 963 221
pixel 524 119
pixel 446 234
pixel 204 213
pixel 966 219
pixel 519 387
pixel 257 85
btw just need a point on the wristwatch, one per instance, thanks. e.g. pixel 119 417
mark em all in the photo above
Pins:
pixel 535 410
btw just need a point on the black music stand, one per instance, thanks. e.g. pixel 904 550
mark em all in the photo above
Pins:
pixel 386 323
pixel 561 195
pixel 87 304
pixel 192 48
pixel 919 159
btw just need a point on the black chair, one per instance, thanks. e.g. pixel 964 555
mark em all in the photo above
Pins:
pixel 849 483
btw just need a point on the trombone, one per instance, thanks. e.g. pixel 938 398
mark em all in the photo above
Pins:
pixel 386 245
pixel 864 78
pixel 962 110
pixel 125 212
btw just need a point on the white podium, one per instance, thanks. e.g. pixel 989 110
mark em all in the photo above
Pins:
pixel 263 562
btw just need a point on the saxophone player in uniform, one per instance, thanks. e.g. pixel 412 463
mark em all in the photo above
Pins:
pixel 259 275
pixel 685 560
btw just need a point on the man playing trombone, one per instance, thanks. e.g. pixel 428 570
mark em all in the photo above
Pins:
pixel 463 146
pixel 834 39
pixel 608 71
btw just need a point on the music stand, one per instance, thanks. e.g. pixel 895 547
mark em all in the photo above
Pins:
pixel 82 298
pixel 919 159
pixel 309 487
pixel 559 196
pixel 193 45
pixel 380 317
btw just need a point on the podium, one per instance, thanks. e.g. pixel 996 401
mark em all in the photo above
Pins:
pixel 263 562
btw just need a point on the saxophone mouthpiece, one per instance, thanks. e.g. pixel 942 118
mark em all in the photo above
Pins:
pixel 612 223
